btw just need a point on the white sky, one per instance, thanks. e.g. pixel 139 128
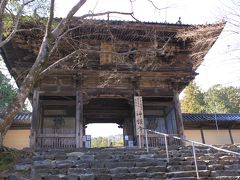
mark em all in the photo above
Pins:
pixel 103 129
pixel 221 65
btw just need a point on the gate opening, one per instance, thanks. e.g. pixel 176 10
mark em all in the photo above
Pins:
pixel 105 135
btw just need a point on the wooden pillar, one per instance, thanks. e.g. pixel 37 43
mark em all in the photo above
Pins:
pixel 179 119
pixel 35 118
pixel 138 117
pixel 202 135
pixel 128 130
pixel 230 134
pixel 79 119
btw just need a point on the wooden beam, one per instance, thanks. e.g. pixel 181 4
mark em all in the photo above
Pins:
pixel 56 135
pixel 58 102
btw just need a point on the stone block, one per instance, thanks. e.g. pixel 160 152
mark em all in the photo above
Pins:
pixel 71 177
pixel 54 177
pixel 44 164
pixel 214 167
pixel 158 175
pixel 13 177
pixel 225 173
pixel 87 177
pixel 80 164
pixel 232 167
pixel 119 164
pixel 97 164
pixel 150 163
pixel 119 170
pixel 202 173
pixel 101 156
pixel 64 164
pixel 142 175
pixel 152 169
pixel 76 171
pixel 60 156
pixel 23 167
pixel 136 169
pixel 75 155
pixel 97 170
pixel 103 177
pixel 123 176
pixel 87 157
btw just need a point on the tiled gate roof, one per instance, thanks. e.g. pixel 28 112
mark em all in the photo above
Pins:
pixel 23 119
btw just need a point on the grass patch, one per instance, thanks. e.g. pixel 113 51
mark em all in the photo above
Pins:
pixel 7 160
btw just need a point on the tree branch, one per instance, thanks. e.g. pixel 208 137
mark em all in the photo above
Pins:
pixel 52 66
pixel 155 6
pixel 50 19
pixel 107 13
pixel 2 8
pixel 62 25
pixel 16 22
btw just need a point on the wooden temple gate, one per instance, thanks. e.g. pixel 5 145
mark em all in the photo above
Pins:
pixel 118 61
pixel 60 121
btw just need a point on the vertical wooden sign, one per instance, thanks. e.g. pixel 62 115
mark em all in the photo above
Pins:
pixel 139 118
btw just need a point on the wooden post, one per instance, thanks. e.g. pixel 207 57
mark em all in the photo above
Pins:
pixel 202 135
pixel 79 119
pixel 230 134
pixel 35 118
pixel 179 119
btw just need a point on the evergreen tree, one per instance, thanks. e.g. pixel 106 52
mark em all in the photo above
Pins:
pixel 193 100
pixel 217 99
pixel 223 99
pixel 7 92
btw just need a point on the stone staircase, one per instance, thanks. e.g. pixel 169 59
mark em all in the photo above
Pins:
pixel 126 163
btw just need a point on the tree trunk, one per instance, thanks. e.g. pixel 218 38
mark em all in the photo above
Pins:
pixel 25 89
pixel 1 142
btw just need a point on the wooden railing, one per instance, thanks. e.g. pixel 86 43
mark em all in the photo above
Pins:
pixel 179 139
pixel 56 138
pixel 156 140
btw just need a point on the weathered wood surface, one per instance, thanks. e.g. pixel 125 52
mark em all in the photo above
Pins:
pixel 55 138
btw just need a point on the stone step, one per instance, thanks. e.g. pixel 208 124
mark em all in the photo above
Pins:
pixel 174 162
pixel 124 163
pixel 225 173
pixel 119 176
pixel 186 168
pixel 232 167
pixel 227 177
pixel 223 162
pixel 202 173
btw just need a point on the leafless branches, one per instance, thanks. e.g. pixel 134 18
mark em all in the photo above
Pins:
pixel 62 25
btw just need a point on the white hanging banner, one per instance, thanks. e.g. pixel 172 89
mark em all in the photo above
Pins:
pixel 138 105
